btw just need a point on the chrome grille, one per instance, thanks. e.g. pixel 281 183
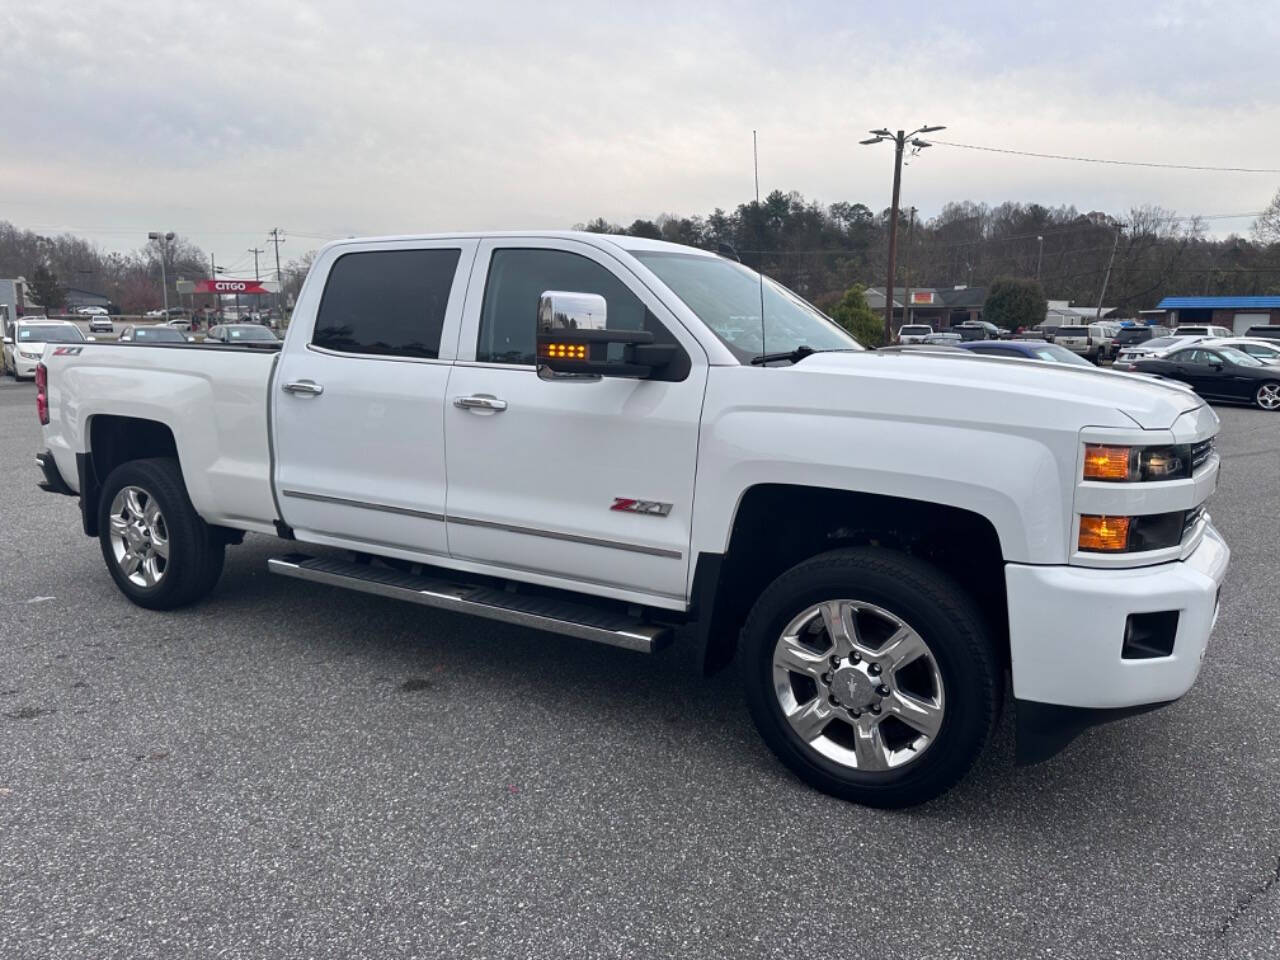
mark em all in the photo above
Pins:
pixel 1200 452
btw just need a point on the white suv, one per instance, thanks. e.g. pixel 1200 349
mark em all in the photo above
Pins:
pixel 1202 330
pixel 913 332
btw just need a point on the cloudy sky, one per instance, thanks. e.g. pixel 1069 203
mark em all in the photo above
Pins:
pixel 221 120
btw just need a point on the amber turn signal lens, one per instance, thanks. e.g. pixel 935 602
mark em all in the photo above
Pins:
pixel 1104 534
pixel 565 351
pixel 1102 462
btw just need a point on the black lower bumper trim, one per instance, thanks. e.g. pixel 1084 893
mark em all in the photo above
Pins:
pixel 1044 729
pixel 53 482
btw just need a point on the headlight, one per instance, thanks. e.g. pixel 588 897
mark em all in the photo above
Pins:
pixel 29 354
pixel 1133 464
pixel 1156 531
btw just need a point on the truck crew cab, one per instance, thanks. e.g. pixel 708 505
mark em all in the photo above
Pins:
pixel 631 441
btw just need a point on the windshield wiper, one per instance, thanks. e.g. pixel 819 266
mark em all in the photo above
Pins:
pixel 795 356
pixel 798 354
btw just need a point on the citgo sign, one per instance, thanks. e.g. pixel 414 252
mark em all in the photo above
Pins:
pixel 229 286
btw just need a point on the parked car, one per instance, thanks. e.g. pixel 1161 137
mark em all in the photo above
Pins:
pixel 181 323
pixel 1092 341
pixel 946 337
pixel 1201 330
pixel 1268 351
pixel 977 330
pixel 877 538
pixel 1026 350
pixel 154 314
pixel 1136 334
pixel 1045 331
pixel 1149 349
pixel 1220 373
pixel 1266 331
pixel 160 333
pixel 92 311
pixel 25 346
pixel 241 333
pixel 101 323
pixel 914 332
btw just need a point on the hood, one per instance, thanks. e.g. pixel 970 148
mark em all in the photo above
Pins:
pixel 1099 397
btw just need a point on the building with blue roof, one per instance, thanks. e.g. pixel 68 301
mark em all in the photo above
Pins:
pixel 1235 313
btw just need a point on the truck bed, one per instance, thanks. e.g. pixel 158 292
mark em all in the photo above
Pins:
pixel 213 398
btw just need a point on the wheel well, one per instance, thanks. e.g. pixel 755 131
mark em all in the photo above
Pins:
pixel 114 440
pixel 780 525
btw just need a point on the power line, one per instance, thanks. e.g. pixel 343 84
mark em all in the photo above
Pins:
pixel 1118 163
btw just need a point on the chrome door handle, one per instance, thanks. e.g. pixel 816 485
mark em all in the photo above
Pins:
pixel 480 401
pixel 306 387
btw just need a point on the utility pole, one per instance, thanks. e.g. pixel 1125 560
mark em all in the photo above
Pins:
pixel 1107 277
pixel 257 297
pixel 1039 257
pixel 900 141
pixel 906 269
pixel 276 240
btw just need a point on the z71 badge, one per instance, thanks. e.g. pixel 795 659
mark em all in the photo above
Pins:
pixel 654 507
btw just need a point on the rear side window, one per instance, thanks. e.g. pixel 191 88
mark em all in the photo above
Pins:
pixel 386 302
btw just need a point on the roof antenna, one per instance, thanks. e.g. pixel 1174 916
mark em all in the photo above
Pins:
pixel 755 157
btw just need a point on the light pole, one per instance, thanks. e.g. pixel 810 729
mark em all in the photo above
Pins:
pixel 161 239
pixel 1039 257
pixel 899 141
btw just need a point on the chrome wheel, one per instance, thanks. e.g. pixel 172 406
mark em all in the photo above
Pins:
pixel 858 685
pixel 1268 396
pixel 139 536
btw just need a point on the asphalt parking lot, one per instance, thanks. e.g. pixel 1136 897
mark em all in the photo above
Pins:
pixel 286 770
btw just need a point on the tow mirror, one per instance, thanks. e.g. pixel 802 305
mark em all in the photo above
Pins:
pixel 572 338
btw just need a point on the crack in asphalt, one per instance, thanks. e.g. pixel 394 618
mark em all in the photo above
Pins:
pixel 1251 897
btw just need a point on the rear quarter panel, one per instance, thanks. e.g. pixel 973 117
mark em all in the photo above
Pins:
pixel 214 401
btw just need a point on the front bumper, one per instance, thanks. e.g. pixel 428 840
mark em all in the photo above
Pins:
pixel 23 367
pixel 1067 627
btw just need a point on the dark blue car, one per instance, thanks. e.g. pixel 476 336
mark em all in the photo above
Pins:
pixel 1025 350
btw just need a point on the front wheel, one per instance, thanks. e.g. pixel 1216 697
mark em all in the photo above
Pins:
pixel 159 551
pixel 1268 396
pixel 871 675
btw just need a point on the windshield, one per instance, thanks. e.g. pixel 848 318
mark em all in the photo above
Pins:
pixel 1239 357
pixel 49 333
pixel 1056 354
pixel 250 333
pixel 726 297
pixel 166 334
pixel 1159 342
pixel 1133 334
pixel 912 329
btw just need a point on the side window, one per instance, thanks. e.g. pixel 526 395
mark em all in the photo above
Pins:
pixel 518 277
pixel 386 302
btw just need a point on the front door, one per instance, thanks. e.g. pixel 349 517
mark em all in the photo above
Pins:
pixel 585 482
pixel 359 397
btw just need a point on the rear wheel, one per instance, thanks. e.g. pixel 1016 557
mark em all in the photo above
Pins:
pixel 871 675
pixel 1268 396
pixel 159 551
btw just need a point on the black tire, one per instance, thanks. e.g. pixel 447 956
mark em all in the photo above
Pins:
pixel 196 550
pixel 946 619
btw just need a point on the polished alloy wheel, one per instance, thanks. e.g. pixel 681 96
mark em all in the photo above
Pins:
pixel 139 536
pixel 1269 396
pixel 858 685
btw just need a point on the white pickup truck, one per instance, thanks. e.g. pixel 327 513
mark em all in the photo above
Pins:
pixel 600 436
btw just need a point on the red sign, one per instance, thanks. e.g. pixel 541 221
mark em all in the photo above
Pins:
pixel 229 286
pixel 921 296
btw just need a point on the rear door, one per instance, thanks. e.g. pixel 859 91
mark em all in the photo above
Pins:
pixel 359 397
pixel 585 482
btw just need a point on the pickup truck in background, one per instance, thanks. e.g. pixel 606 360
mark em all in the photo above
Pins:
pixel 602 436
